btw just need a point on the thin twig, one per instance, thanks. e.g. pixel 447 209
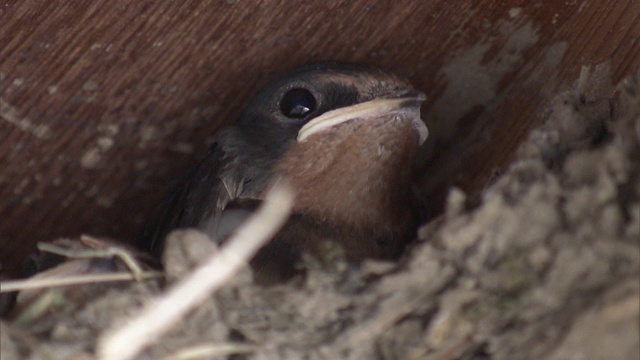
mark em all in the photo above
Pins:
pixel 158 316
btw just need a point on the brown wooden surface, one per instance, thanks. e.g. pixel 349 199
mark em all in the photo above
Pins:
pixel 102 103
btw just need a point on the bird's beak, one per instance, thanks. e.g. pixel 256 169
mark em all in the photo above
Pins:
pixel 407 107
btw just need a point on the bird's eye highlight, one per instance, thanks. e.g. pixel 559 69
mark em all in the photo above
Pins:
pixel 298 103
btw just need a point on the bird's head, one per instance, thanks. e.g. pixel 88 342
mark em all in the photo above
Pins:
pixel 323 97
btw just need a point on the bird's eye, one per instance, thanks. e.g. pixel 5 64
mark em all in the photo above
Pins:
pixel 298 103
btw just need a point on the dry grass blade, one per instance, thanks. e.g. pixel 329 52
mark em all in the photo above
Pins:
pixel 30 284
pixel 107 252
pixel 209 350
pixel 40 306
pixel 158 316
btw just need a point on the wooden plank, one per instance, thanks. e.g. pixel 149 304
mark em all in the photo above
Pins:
pixel 103 103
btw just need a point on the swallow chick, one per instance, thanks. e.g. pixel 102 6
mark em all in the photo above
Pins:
pixel 344 136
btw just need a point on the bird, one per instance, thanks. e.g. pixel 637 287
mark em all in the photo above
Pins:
pixel 345 137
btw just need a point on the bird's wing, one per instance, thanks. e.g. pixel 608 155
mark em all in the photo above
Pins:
pixel 200 198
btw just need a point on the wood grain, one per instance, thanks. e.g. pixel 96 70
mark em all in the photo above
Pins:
pixel 103 103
